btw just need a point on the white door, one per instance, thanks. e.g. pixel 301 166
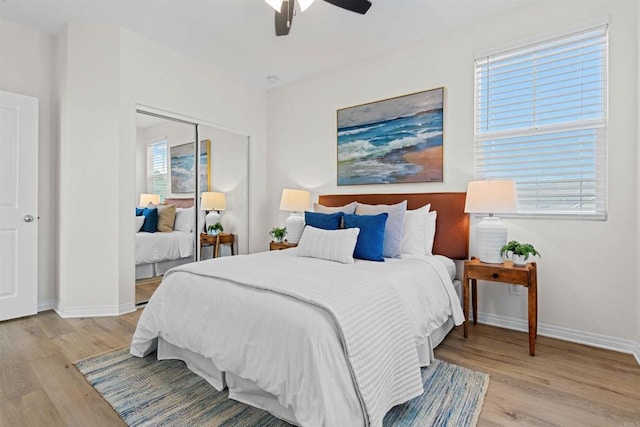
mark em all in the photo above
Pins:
pixel 18 205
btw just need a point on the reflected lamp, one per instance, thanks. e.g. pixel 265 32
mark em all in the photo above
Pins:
pixel 213 202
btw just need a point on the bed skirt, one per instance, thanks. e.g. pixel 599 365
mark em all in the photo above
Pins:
pixel 248 392
pixel 145 271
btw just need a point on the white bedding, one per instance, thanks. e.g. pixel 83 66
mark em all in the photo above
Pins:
pixel 289 348
pixel 158 247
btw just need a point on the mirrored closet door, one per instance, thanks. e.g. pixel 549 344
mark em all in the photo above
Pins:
pixel 192 198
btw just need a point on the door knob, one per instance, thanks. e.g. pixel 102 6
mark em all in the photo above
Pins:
pixel 28 218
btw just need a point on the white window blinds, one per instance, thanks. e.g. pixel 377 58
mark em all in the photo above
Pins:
pixel 157 176
pixel 541 120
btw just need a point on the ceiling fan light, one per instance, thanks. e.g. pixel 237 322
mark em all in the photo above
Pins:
pixel 276 4
pixel 304 4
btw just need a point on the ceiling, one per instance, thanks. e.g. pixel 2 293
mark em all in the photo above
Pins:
pixel 238 35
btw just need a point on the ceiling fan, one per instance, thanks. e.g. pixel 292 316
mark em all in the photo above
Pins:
pixel 284 10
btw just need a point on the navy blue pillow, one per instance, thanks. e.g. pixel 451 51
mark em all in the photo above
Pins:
pixel 370 242
pixel 150 220
pixel 323 221
pixel 139 211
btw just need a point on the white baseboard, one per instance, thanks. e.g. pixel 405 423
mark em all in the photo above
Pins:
pixel 566 334
pixel 636 352
pixel 94 311
pixel 46 305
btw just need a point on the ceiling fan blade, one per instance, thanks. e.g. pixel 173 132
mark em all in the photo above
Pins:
pixel 358 6
pixel 284 18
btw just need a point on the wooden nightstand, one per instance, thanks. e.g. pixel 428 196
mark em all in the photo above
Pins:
pixel 508 273
pixel 216 241
pixel 275 246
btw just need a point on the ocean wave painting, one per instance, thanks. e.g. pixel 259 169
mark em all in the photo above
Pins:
pixel 397 140
pixel 183 167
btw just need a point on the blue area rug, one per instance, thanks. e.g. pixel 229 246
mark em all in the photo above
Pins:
pixel 149 392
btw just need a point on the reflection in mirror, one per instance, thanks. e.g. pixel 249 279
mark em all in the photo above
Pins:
pixel 166 168
pixel 165 229
pixel 228 174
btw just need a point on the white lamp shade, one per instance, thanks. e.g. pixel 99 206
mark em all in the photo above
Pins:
pixel 294 201
pixel 213 201
pixel 277 4
pixel 491 196
pixel 304 4
pixel 145 199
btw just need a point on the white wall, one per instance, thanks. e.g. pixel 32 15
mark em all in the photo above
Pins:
pixel 109 72
pixel 141 162
pixel 26 67
pixel 89 161
pixel 586 287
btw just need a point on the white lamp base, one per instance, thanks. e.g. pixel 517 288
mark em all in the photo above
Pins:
pixel 492 236
pixel 295 226
pixel 212 218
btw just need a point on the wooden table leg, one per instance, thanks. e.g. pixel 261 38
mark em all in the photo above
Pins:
pixel 216 247
pixel 465 303
pixel 474 300
pixel 533 309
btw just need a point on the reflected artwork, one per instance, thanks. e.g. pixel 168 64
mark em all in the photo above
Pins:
pixel 183 167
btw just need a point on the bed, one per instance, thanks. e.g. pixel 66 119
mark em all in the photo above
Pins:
pixel 158 252
pixel 283 333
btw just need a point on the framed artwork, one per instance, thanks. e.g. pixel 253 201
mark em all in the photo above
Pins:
pixel 183 167
pixel 393 141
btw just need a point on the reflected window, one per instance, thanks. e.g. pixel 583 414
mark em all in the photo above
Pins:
pixel 157 177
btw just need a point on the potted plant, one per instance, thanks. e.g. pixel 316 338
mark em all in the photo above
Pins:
pixel 215 229
pixel 519 252
pixel 278 234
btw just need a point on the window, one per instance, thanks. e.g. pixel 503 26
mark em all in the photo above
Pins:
pixel 157 177
pixel 541 120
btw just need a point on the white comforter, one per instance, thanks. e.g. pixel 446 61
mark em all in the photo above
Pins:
pixel 291 349
pixel 158 247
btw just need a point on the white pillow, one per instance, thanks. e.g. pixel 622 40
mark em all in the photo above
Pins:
pixel 348 209
pixel 418 231
pixel 184 219
pixel 392 246
pixel 139 222
pixel 331 245
pixel 413 231
pixel 430 232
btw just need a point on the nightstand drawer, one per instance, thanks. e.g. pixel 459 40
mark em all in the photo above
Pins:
pixel 498 275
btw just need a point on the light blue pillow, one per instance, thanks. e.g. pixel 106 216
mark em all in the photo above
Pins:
pixel 323 221
pixel 393 230
pixel 370 242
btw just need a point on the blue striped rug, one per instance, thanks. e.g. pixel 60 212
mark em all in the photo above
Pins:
pixel 149 392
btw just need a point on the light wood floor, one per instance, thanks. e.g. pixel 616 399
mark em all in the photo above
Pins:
pixel 145 288
pixel 564 384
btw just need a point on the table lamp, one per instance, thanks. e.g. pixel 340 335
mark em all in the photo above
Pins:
pixel 491 197
pixel 295 201
pixel 213 202
pixel 146 199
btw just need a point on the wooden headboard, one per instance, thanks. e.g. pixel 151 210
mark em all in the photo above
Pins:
pixel 180 203
pixel 452 225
